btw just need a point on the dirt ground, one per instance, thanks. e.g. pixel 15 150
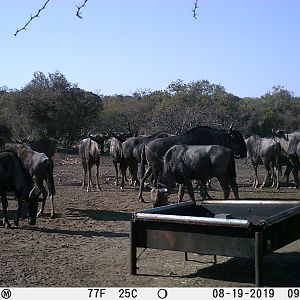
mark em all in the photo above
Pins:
pixel 87 245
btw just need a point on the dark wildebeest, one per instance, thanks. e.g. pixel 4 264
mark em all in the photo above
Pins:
pixel 115 151
pixel 100 138
pixel 183 163
pixel 45 145
pixel 154 151
pixel 89 154
pixel 290 143
pixel 132 149
pixel 15 178
pixel 40 167
pixel 266 152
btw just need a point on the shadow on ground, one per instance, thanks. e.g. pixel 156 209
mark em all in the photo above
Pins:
pixel 100 215
pixel 280 270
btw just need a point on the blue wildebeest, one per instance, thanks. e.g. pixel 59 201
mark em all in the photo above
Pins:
pixel 290 143
pixel 15 178
pixel 45 145
pixel 132 149
pixel 154 151
pixel 266 152
pixel 89 153
pixel 183 163
pixel 115 151
pixel 100 139
pixel 40 167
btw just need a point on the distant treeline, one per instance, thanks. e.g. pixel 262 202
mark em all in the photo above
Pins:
pixel 52 106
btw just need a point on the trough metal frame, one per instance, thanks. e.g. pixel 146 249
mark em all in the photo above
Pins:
pixel 215 236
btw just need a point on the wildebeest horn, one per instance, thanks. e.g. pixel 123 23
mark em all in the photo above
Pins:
pixel 89 133
pixel 17 141
pixel 231 126
pixel 35 194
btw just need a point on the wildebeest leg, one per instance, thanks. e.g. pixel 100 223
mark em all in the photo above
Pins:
pixel 255 179
pixel 275 175
pixel 234 187
pixel 97 177
pixel 267 177
pixel 190 190
pixel 295 174
pixel 88 189
pixel 45 194
pixel 84 165
pixel 4 207
pixel 52 206
pixel 181 192
pixel 142 182
pixel 18 213
pixel 225 188
pixel 133 169
pixel 116 172
pixel 287 173
pixel 203 190
pixel 123 169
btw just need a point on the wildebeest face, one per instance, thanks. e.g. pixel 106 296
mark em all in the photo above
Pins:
pixel 30 208
pixel 238 144
pixel 159 196
pixel 32 205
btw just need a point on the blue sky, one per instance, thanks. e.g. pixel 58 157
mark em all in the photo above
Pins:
pixel 121 46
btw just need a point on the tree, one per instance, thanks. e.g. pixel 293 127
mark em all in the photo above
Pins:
pixel 51 106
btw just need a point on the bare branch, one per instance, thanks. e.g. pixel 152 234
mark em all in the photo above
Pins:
pixel 194 10
pixel 32 17
pixel 78 13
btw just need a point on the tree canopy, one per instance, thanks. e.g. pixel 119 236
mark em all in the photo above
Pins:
pixel 49 105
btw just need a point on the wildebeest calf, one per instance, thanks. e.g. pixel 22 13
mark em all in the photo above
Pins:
pixel 15 178
pixel 183 163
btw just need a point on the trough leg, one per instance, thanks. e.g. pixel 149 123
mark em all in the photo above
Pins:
pixel 258 259
pixel 133 251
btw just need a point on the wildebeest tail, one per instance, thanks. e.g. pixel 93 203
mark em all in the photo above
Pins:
pixel 278 158
pixel 50 179
pixel 143 162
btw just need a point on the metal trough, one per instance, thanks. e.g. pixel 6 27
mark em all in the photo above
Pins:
pixel 248 229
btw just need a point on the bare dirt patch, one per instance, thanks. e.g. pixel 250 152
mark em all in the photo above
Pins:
pixel 88 242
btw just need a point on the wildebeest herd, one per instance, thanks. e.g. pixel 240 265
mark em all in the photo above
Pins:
pixel 88 242
pixel 198 155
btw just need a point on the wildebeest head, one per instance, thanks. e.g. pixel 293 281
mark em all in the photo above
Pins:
pixel 98 137
pixel 31 205
pixel 279 134
pixel 159 196
pixel 238 145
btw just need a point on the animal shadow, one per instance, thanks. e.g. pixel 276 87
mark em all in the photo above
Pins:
pixel 101 215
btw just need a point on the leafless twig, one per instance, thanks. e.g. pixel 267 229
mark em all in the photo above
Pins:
pixel 32 17
pixel 194 10
pixel 78 13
